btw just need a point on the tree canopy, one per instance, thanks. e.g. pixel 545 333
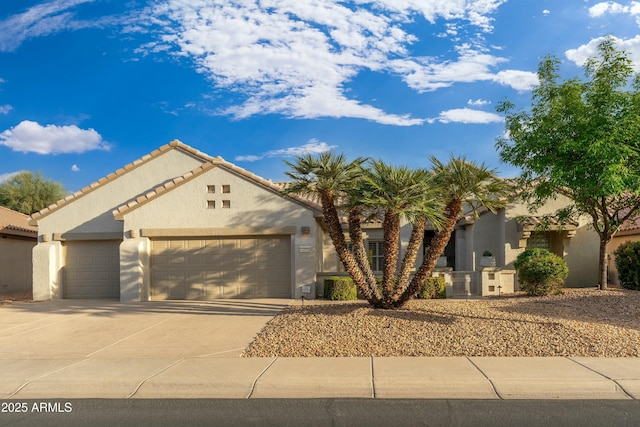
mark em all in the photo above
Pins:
pixel 29 193
pixel 581 139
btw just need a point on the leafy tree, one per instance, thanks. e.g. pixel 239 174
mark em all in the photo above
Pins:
pixel 29 193
pixel 390 193
pixel 581 139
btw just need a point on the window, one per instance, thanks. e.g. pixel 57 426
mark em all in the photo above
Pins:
pixel 226 204
pixel 211 204
pixel 211 189
pixel 376 255
pixel 226 189
pixel 539 239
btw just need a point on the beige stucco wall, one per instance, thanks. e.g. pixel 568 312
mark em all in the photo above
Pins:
pixel 186 206
pixel 92 212
pixel 253 208
pixel 580 251
pixel 15 264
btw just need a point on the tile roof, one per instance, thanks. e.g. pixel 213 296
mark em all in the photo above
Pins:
pixel 119 212
pixel 16 223
pixel 550 222
pixel 127 168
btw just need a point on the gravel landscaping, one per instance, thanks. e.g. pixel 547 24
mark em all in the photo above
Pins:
pixel 580 322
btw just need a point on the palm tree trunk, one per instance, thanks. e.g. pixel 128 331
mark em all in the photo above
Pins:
pixel 409 259
pixel 391 227
pixel 345 256
pixel 438 244
pixel 370 292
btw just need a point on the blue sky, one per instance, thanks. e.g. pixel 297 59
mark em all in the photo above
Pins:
pixel 87 86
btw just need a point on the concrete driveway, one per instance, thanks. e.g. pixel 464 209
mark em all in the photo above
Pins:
pixel 98 348
pixel 100 329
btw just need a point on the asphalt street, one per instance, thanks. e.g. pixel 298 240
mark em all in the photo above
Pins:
pixel 318 412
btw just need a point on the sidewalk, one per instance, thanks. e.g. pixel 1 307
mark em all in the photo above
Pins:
pixel 106 349
pixel 242 378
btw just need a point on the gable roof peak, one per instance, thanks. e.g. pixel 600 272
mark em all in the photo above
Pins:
pixel 175 144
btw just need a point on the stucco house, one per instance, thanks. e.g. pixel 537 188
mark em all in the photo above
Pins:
pixel 176 224
pixel 628 232
pixel 17 239
pixel 180 224
pixel 505 234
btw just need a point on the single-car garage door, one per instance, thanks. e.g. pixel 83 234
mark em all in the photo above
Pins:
pixel 91 269
pixel 200 268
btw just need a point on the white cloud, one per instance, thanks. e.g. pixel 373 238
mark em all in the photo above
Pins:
pixel 580 55
pixel 40 20
pixel 610 7
pixel 478 102
pixel 295 58
pixel 5 109
pixel 546 12
pixel 8 175
pixel 613 8
pixel 467 116
pixel 30 136
pixel 518 80
pixel 314 146
pixel 75 168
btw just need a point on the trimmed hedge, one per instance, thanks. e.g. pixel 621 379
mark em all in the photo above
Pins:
pixel 433 288
pixel 628 265
pixel 340 288
pixel 541 272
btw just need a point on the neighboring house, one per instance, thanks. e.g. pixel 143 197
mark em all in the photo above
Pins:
pixel 180 224
pixel 628 232
pixel 17 239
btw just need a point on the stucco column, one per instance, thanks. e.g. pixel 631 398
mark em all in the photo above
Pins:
pixel 470 255
pixel 461 261
pixel 502 238
pixel 304 266
pixel 134 269
pixel 47 265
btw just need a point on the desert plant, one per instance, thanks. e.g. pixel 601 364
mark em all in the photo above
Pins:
pixel 628 265
pixel 340 289
pixel 433 288
pixel 542 273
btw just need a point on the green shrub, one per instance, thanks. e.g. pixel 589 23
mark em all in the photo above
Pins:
pixel 628 265
pixel 433 288
pixel 340 289
pixel 542 273
pixel 528 253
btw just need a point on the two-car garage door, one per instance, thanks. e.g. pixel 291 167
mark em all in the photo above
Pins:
pixel 210 268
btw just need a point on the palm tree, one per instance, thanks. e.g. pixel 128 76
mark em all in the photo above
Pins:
pixel 460 182
pixel 396 193
pixel 331 178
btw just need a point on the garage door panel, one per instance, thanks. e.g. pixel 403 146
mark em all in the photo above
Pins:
pixel 221 268
pixel 91 269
